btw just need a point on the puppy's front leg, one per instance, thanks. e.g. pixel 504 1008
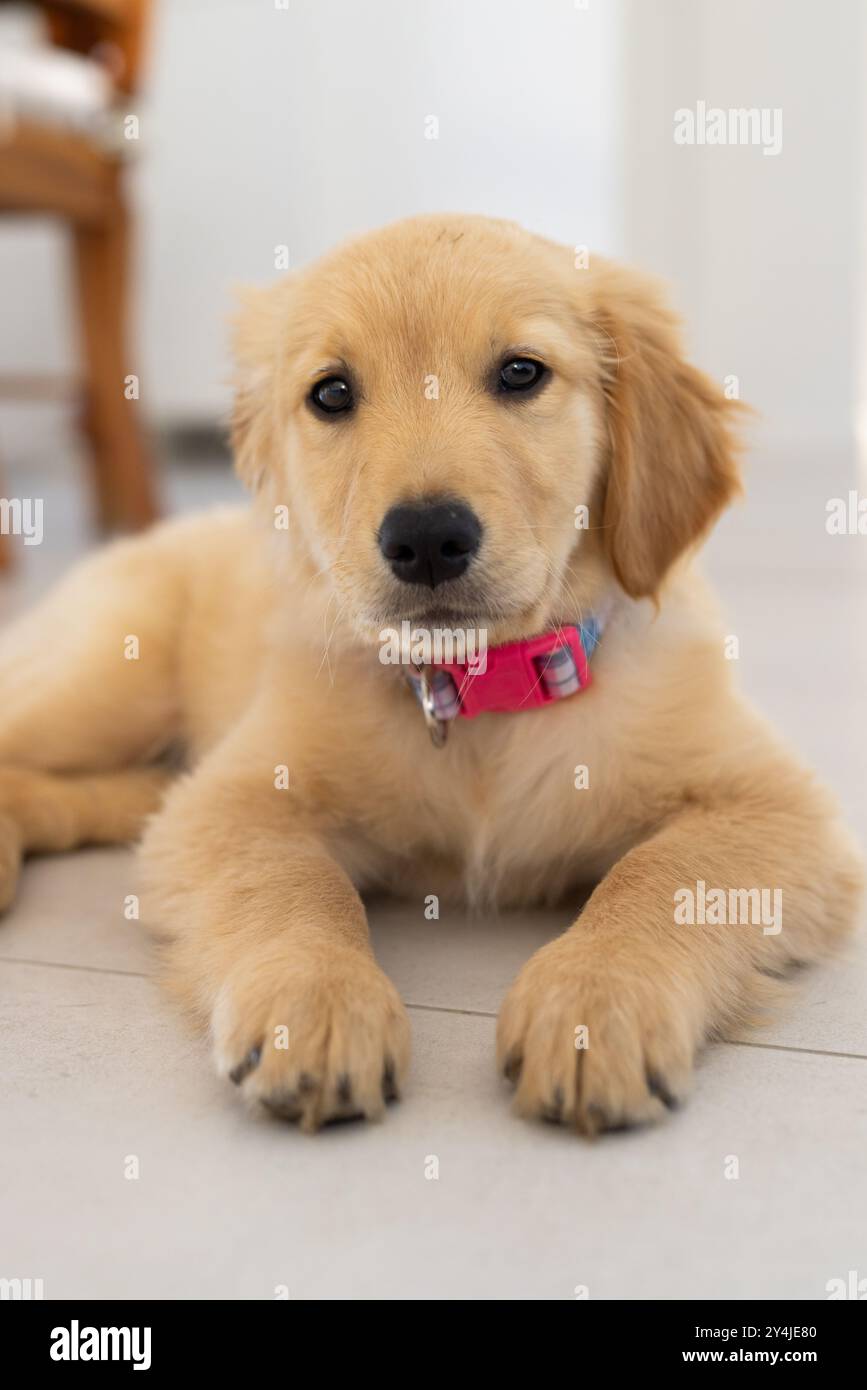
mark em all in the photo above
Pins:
pixel 601 1026
pixel 267 940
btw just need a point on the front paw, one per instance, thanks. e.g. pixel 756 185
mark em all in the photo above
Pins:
pixel 596 1040
pixel 313 1037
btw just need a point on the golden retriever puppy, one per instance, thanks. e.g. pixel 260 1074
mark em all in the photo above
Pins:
pixel 446 425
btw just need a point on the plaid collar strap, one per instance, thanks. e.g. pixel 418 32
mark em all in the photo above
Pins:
pixel 517 676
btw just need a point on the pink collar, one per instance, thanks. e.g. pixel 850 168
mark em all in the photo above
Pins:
pixel 516 676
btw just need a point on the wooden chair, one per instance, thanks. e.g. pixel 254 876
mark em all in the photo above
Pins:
pixel 69 173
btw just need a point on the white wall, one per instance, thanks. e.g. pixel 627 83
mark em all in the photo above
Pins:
pixel 766 252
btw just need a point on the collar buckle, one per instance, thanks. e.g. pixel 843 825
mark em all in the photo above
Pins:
pixel 436 727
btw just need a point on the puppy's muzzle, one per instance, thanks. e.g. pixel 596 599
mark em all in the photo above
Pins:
pixel 429 542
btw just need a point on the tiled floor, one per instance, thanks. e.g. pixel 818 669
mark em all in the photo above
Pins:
pixel 97 1070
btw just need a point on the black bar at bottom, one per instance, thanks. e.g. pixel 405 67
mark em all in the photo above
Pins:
pixel 70 1337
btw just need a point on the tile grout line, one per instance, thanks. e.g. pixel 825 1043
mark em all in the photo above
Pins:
pixel 433 1008
pixel 66 965
pixel 445 1009
pixel 782 1047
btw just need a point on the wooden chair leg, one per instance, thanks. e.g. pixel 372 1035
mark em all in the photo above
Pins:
pixel 125 487
pixel 7 555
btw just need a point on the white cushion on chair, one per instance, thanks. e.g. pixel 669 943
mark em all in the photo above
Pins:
pixel 54 87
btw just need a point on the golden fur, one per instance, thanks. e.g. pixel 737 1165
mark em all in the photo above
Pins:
pixel 258 649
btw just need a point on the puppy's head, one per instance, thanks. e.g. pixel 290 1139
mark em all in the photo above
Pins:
pixel 464 427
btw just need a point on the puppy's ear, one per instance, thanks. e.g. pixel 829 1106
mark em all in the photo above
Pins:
pixel 256 341
pixel 672 450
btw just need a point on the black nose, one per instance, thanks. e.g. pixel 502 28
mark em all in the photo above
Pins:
pixel 429 542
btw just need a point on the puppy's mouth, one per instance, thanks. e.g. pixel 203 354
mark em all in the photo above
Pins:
pixel 478 610
pixel 485 618
pixel 446 617
pixel 437 623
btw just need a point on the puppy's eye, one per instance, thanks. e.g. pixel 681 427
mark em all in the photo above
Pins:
pixel 521 374
pixel 332 396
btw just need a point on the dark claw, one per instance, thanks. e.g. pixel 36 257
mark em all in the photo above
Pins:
pixel 599 1121
pixel 284 1107
pixel 596 1119
pixel 306 1083
pixel 344 1089
pixel 553 1111
pixel 657 1087
pixel 250 1063
pixel 512 1067
pixel 346 1119
pixel 389 1085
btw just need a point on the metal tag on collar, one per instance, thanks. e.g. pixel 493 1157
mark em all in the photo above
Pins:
pixel 436 727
